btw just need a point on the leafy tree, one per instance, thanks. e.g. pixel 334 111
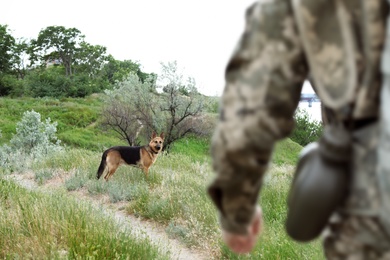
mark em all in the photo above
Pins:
pixel 11 63
pixel 117 71
pixel 57 42
pixel 19 57
pixel 91 58
pixel 7 42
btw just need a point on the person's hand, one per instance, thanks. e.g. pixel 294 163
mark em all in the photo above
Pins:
pixel 243 244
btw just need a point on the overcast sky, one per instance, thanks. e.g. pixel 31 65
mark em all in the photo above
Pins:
pixel 199 34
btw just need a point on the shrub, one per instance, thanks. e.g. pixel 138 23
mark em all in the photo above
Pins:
pixel 306 130
pixel 51 82
pixel 10 85
pixel 77 181
pixel 34 136
pixel 33 139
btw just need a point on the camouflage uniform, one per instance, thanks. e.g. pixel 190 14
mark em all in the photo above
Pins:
pixel 337 42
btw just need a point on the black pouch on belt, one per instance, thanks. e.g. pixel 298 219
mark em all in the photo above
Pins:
pixel 320 183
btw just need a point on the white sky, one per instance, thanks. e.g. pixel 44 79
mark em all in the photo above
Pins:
pixel 199 34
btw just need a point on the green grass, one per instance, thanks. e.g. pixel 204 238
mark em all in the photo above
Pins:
pixel 35 225
pixel 286 152
pixel 196 148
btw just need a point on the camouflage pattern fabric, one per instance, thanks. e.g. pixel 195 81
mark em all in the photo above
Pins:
pixel 350 237
pixel 264 81
pixel 264 77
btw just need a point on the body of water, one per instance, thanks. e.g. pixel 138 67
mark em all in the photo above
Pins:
pixel 314 110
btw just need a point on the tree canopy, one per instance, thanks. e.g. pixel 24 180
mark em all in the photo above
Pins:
pixel 59 62
pixel 7 44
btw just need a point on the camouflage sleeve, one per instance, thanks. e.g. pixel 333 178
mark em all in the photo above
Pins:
pixel 264 79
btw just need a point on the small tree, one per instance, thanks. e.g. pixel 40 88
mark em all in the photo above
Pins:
pixel 119 117
pixel 134 105
pixel 182 104
pixel 57 42
pixel 7 44
pixel 125 111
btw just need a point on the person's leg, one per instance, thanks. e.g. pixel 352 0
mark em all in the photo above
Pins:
pixel 356 237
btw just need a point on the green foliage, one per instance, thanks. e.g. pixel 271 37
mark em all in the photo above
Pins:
pixel 10 85
pixel 50 82
pixel 19 66
pixel 117 71
pixel 90 59
pixel 57 43
pixel 61 64
pixel 306 130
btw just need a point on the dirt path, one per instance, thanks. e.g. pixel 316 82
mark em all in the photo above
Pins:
pixel 144 229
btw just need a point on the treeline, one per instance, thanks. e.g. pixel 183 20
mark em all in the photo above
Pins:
pixel 59 63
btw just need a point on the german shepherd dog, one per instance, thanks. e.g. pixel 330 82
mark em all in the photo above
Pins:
pixel 140 156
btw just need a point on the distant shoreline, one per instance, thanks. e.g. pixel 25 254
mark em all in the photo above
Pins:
pixel 314 111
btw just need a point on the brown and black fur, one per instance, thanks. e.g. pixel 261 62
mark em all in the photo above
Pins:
pixel 139 156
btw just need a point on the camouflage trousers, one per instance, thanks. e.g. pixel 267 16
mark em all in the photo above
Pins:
pixel 357 232
pixel 356 238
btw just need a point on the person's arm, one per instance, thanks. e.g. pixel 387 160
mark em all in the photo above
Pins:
pixel 264 79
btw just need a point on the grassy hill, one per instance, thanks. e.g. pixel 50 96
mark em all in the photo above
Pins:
pixel 77 118
pixel 174 196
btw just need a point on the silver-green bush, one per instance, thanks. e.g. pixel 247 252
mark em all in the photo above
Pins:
pixel 34 139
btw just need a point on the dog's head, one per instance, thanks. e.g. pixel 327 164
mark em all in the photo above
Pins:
pixel 156 143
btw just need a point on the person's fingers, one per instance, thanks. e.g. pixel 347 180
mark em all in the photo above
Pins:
pixel 238 243
pixel 243 244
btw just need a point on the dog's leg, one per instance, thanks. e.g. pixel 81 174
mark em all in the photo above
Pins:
pixel 110 173
pixel 107 174
pixel 113 162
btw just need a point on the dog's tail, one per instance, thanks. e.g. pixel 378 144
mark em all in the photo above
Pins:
pixel 102 165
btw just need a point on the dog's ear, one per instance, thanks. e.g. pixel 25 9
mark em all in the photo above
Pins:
pixel 162 135
pixel 153 135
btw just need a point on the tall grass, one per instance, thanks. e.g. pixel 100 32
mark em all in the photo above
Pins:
pixel 34 225
pixel 175 196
